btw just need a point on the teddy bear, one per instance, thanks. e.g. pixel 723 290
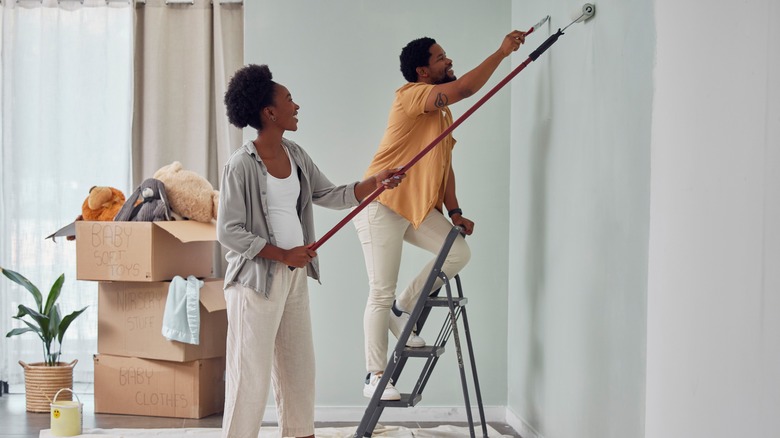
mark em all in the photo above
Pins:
pixel 102 204
pixel 191 196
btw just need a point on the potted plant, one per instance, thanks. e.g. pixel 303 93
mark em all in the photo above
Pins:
pixel 42 380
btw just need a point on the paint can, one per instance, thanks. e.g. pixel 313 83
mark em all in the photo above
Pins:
pixel 66 415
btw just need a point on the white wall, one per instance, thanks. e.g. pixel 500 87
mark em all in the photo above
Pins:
pixel 340 61
pixel 713 350
pixel 579 209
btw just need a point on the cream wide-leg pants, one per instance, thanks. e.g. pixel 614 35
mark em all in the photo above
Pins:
pixel 269 340
pixel 382 233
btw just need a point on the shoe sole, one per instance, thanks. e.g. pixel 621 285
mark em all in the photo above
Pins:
pixel 370 394
pixel 411 344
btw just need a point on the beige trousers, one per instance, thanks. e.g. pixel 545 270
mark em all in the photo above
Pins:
pixel 382 233
pixel 269 340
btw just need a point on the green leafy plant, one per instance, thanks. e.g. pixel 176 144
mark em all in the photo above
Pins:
pixel 45 321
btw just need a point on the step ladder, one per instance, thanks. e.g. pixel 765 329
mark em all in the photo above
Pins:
pixel 456 311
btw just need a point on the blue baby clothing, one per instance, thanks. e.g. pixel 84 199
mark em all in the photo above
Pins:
pixel 181 318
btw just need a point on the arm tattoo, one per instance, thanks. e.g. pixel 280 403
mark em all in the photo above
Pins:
pixel 441 100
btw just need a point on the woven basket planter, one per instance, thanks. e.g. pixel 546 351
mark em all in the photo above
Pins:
pixel 41 382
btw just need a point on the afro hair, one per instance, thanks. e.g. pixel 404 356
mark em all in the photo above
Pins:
pixel 249 91
pixel 416 54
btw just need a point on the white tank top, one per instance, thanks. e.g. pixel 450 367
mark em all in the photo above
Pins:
pixel 282 212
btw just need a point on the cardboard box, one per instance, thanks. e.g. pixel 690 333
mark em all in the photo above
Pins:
pixel 156 388
pixel 130 317
pixel 144 251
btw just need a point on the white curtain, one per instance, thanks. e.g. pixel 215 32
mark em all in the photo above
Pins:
pixel 185 54
pixel 65 126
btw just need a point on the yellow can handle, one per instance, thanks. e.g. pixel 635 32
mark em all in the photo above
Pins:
pixel 65 389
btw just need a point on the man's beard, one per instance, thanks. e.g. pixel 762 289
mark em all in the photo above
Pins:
pixel 447 78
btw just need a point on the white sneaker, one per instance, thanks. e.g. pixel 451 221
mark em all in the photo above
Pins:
pixel 372 380
pixel 397 324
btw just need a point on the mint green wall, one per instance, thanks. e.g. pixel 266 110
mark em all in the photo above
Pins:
pixel 340 60
pixel 579 214
pixel 596 312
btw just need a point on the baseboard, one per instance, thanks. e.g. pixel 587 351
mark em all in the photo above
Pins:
pixel 520 426
pixel 421 414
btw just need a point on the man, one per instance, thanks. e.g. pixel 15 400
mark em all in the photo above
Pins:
pixel 413 213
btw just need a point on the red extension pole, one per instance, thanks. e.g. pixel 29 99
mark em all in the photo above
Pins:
pixel 532 57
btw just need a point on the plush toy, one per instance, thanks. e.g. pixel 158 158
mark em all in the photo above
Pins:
pixel 192 196
pixel 102 204
pixel 148 203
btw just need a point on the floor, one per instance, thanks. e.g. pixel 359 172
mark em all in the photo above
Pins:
pixel 16 422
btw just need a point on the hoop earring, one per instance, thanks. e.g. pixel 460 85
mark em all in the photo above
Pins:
pixel 273 118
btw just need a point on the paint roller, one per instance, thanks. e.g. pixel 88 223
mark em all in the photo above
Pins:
pixel 587 11
pixel 578 15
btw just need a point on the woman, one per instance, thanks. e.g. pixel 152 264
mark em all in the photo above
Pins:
pixel 265 222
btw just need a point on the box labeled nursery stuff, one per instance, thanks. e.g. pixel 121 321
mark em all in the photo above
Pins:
pixel 157 388
pixel 130 320
pixel 144 251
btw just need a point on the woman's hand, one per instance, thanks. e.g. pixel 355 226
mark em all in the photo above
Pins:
pixel 299 256
pixel 388 178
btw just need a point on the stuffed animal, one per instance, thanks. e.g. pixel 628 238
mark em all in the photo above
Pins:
pixel 192 196
pixel 148 203
pixel 102 204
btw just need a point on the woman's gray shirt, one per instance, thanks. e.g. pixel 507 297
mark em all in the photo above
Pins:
pixel 243 226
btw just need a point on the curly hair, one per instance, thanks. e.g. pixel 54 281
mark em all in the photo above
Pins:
pixel 249 91
pixel 416 54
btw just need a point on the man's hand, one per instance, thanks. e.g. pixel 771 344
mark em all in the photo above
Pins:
pixel 512 42
pixel 467 225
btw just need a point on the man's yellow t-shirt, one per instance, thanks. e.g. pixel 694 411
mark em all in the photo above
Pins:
pixel 409 130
